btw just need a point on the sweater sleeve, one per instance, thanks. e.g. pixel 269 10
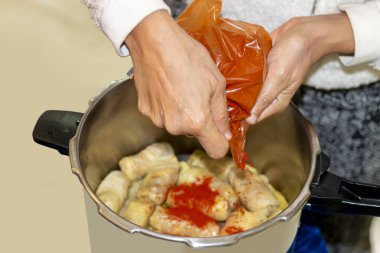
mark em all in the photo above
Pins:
pixel 117 18
pixel 365 22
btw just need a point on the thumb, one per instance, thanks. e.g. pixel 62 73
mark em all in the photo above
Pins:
pixel 271 89
pixel 211 139
pixel 220 113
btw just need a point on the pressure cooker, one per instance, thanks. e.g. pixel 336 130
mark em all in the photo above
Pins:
pixel 285 147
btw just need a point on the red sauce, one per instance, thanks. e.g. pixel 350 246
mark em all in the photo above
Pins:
pixel 233 230
pixel 239 50
pixel 195 196
pixel 191 215
pixel 193 201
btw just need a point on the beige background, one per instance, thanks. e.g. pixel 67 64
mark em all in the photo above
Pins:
pixel 52 57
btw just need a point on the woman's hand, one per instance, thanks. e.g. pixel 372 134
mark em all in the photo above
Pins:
pixel 178 85
pixel 297 44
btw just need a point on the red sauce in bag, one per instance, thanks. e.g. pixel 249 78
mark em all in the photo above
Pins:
pixel 239 49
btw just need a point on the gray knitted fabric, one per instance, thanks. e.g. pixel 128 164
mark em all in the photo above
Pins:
pixel 176 6
pixel 348 126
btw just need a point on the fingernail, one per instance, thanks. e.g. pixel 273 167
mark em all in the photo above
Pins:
pixel 228 135
pixel 252 119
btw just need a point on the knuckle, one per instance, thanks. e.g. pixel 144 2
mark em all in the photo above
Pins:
pixel 278 106
pixel 216 80
pixel 220 152
pixel 172 128
pixel 222 80
pixel 222 118
pixel 264 100
pixel 197 124
pixel 277 72
pixel 293 21
pixel 157 121
pixel 143 109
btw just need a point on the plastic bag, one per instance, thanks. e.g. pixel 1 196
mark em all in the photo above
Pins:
pixel 239 49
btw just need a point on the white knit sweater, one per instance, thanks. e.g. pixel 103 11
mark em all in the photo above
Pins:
pixel 117 18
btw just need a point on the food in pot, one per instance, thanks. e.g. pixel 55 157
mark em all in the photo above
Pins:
pixel 242 219
pixel 221 167
pixel 197 188
pixel 282 203
pixel 157 155
pixel 151 191
pixel 200 197
pixel 254 190
pixel 132 193
pixel 138 211
pixel 156 185
pixel 177 221
pixel 113 190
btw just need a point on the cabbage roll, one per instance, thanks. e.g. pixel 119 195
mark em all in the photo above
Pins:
pixel 282 203
pixel 138 211
pixel 198 188
pixel 156 185
pixel 254 190
pixel 166 221
pixel 113 190
pixel 132 195
pixel 220 167
pixel 241 220
pixel 155 156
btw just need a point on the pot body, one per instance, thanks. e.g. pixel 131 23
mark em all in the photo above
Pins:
pixel 283 147
pixel 104 236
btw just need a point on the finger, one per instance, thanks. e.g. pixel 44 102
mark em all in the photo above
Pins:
pixel 274 34
pixel 157 120
pixel 272 87
pixel 278 105
pixel 219 111
pixel 202 127
pixel 157 115
pixel 214 143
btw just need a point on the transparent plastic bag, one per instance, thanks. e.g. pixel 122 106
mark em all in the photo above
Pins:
pixel 239 49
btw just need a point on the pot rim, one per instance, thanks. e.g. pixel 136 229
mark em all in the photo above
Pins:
pixel 195 242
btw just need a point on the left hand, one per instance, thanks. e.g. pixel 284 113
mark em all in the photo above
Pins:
pixel 297 44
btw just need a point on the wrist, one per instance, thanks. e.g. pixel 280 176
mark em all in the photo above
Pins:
pixel 150 31
pixel 333 34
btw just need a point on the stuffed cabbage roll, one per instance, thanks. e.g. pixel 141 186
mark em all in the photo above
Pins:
pixel 155 156
pixel 132 195
pixel 183 222
pixel 282 202
pixel 113 190
pixel 199 189
pixel 241 220
pixel 138 211
pixel 220 168
pixel 156 185
pixel 253 190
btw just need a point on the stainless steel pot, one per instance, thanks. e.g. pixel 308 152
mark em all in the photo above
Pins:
pixel 285 147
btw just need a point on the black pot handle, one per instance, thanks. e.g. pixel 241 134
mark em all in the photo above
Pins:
pixel 332 193
pixel 54 129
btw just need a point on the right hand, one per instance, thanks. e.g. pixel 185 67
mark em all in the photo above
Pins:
pixel 178 85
